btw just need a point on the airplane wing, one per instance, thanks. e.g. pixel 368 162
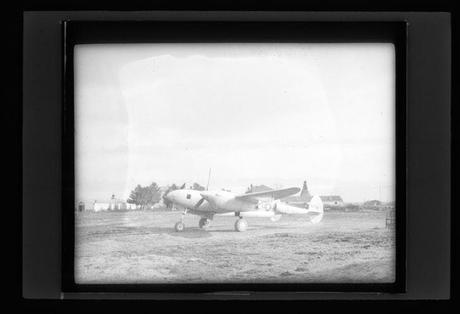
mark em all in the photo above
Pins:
pixel 275 194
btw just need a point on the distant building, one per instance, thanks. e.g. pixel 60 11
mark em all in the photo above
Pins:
pixel 372 203
pixel 127 206
pixel 112 204
pixel 97 206
pixel 377 205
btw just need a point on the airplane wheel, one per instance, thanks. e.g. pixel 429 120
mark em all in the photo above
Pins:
pixel 241 225
pixel 179 226
pixel 204 223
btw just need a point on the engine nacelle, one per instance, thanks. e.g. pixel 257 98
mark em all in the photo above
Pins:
pixel 258 213
pixel 274 210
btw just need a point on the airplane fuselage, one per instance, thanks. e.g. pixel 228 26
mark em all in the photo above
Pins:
pixel 216 201
pixel 206 204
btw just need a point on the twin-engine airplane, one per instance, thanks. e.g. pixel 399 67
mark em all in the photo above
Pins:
pixel 206 204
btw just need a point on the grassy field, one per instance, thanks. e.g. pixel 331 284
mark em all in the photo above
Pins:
pixel 142 247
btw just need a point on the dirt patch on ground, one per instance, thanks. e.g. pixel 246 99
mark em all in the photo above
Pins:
pixel 142 247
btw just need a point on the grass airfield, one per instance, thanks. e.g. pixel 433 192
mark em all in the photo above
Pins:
pixel 143 247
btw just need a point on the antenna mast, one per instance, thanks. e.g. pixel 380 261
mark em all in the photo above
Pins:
pixel 209 177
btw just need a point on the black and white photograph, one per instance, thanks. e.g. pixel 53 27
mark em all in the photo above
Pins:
pixel 234 163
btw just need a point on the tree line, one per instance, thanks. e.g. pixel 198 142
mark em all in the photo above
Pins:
pixel 147 196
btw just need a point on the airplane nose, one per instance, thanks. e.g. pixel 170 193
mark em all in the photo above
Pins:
pixel 210 198
pixel 206 195
pixel 168 196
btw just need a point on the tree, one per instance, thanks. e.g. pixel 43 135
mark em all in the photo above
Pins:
pixel 197 187
pixel 153 194
pixel 145 196
pixel 135 196
pixel 167 202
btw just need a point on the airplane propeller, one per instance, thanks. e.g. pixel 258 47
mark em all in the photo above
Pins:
pixel 198 204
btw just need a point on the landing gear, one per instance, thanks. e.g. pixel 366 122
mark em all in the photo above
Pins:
pixel 179 226
pixel 241 225
pixel 204 223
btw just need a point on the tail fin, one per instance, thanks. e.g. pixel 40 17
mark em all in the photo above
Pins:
pixel 305 194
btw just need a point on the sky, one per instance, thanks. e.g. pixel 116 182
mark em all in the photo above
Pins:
pixel 273 114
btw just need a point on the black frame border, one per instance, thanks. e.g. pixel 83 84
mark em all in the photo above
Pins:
pixel 86 32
